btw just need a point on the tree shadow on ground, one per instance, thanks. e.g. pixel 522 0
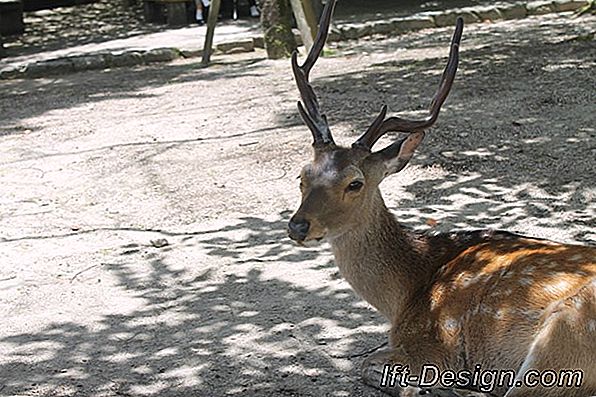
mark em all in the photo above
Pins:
pixel 65 27
pixel 73 90
pixel 356 96
pixel 200 333
pixel 203 334
pixel 357 11
pixel 520 162
pixel 243 332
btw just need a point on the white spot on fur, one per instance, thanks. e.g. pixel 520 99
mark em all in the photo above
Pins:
pixel 578 303
pixel 591 326
pixel 433 304
pixel 500 314
pixel 557 287
pixel 577 257
pixel 451 324
pixel 526 281
pixel 468 281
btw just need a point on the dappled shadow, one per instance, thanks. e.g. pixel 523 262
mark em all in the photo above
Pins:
pixel 358 11
pixel 494 59
pixel 195 332
pixel 101 21
pixel 253 329
pixel 65 27
pixel 111 84
pixel 563 212
pixel 522 163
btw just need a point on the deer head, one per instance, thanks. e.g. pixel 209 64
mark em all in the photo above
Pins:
pixel 340 186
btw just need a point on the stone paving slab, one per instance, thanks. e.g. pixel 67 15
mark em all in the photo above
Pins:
pixel 244 36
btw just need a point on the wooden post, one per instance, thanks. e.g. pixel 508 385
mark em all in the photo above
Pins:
pixel 307 20
pixel 211 21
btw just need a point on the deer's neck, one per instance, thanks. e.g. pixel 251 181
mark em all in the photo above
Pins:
pixel 384 263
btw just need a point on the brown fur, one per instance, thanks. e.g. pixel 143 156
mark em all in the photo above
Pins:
pixel 455 300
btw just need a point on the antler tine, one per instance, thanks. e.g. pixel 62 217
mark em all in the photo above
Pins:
pixel 309 107
pixel 399 124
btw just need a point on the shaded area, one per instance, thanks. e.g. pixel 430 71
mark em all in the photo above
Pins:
pixel 105 20
pixel 355 10
pixel 514 161
pixel 83 24
pixel 71 90
pixel 188 318
pixel 215 312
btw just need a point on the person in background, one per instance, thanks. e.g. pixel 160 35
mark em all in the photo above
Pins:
pixel 228 8
pixel 254 11
pixel 202 10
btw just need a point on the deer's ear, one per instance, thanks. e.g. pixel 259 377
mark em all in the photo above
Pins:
pixel 397 155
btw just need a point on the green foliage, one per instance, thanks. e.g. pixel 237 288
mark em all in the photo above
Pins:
pixel 588 8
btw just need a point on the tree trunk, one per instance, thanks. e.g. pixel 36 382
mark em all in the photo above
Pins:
pixel 276 19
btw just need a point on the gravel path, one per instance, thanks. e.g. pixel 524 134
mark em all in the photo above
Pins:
pixel 143 210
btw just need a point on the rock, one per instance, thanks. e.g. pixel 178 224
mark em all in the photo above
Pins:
pixel 356 30
pixel 513 11
pixel 191 53
pixel 382 27
pixel 568 5
pixel 9 73
pixel 407 24
pixel 539 7
pixel 161 55
pixel 258 42
pixel 131 58
pixel 236 46
pixel 46 68
pixel 448 18
pixel 159 243
pixel 488 13
pixel 88 62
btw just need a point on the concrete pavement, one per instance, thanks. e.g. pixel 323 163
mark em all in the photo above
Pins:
pixel 245 35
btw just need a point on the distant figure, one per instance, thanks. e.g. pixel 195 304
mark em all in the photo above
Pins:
pixel 254 11
pixel 229 9
pixel 202 10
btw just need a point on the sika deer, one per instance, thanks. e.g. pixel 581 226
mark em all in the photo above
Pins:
pixel 461 300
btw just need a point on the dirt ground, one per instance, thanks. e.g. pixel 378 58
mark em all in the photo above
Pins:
pixel 96 168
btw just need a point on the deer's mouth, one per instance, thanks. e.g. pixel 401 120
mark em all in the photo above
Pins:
pixel 312 242
pixel 307 241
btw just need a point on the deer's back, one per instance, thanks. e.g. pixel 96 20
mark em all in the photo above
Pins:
pixel 490 301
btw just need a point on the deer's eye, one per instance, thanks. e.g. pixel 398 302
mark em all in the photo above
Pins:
pixel 355 186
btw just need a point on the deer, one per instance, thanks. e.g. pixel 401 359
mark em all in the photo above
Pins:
pixel 460 300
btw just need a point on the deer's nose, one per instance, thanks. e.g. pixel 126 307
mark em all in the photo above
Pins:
pixel 298 229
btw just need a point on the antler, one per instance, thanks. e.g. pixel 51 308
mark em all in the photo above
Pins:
pixel 380 126
pixel 309 107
